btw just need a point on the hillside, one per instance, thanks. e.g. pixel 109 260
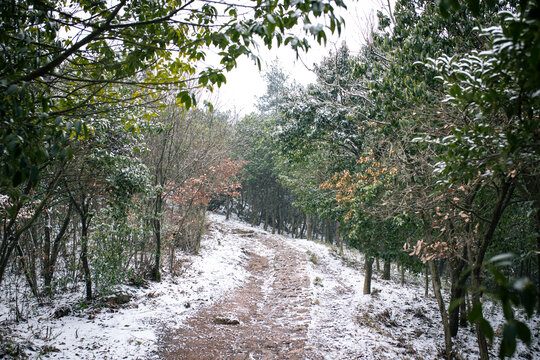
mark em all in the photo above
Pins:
pixel 250 295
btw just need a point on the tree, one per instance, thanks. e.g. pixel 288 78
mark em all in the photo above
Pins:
pixel 497 144
pixel 104 169
pixel 276 88
pixel 327 111
pixel 269 201
pixel 190 200
pixel 184 144
pixel 58 60
pixel 408 101
pixel 326 129
pixel 65 66
pixel 449 193
pixel 317 133
pixel 61 66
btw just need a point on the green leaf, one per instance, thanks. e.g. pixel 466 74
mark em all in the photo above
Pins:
pixel 221 79
pixel 507 310
pixel 475 314
pixel 185 98
pixel 12 89
pixel 444 7
pixel 499 276
pixel 12 145
pixel 455 304
pixel 203 80
pixel 34 174
pixel 69 153
pixel 474 6
pixel 529 298
pixel 486 328
pixel 523 332
pixel 78 127
pixel 17 178
pixel 209 105
pixel 508 343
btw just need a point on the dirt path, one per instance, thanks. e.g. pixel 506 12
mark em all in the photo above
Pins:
pixel 267 318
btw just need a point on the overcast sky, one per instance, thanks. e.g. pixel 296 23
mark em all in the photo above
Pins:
pixel 245 83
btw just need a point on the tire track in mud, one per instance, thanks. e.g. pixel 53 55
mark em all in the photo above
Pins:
pixel 272 308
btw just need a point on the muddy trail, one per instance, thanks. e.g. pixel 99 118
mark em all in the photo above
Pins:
pixel 300 299
pixel 266 318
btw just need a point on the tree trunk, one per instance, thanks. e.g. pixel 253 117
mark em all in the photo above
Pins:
pixel 229 208
pixel 538 250
pixel 506 190
pixel 308 226
pixel 463 311
pixel 457 291
pixel 481 339
pixel 386 270
pixel 74 253
pixel 377 265
pixel 339 238
pixel 156 272
pixel 402 274
pixel 426 283
pixel 8 244
pixel 242 204
pixel 84 256
pixel 442 308
pixel 27 274
pixel 280 220
pixel 329 238
pixel 266 220
pixel 368 272
pixel 32 250
pixel 255 210
pixel 46 261
pixel 532 183
pixel 538 260
pixel 171 257
pixel 51 254
pixel 11 237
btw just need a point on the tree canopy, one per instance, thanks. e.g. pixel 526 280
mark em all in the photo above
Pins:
pixel 62 62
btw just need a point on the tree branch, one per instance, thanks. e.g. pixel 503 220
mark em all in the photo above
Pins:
pixel 62 57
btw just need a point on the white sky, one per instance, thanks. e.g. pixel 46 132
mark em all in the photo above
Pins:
pixel 245 84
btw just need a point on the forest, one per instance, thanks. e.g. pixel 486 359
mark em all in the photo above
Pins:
pixel 421 151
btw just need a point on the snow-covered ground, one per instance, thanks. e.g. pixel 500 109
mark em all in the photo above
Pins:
pixel 129 332
pixel 396 322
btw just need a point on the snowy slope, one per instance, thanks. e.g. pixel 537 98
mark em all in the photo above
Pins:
pixel 395 322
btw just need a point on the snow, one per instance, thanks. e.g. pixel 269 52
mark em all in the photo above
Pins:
pixel 395 322
pixel 371 325
pixel 130 332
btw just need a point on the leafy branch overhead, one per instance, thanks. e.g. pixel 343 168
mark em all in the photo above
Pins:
pixel 60 61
